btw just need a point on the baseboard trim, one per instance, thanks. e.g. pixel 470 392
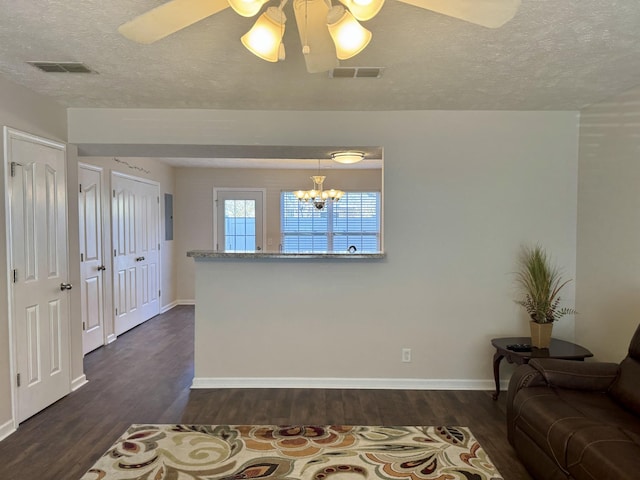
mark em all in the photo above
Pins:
pixel 344 383
pixel 185 302
pixel 168 307
pixel 79 382
pixel 111 338
pixel 7 429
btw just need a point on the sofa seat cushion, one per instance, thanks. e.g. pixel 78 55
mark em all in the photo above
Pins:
pixel 553 417
pixel 603 452
pixel 604 409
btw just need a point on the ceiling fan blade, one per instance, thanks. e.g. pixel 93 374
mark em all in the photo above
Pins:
pixel 488 13
pixel 169 18
pixel 311 18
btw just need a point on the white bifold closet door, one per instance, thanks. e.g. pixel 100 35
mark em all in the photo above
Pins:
pixel 136 245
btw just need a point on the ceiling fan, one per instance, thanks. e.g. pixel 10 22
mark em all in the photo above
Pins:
pixel 328 33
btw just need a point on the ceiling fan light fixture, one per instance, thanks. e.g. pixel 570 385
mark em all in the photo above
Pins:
pixel 314 18
pixel 347 157
pixel 349 36
pixel 363 10
pixel 247 8
pixel 265 37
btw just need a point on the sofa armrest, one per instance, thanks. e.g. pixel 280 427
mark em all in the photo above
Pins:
pixel 523 376
pixel 593 376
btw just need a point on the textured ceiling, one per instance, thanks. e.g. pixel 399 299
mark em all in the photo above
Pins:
pixel 555 54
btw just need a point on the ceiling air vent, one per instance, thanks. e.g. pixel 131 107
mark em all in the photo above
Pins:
pixel 356 72
pixel 62 67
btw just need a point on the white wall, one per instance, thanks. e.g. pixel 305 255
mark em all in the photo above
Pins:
pixel 194 205
pixel 608 282
pixel 27 111
pixel 463 190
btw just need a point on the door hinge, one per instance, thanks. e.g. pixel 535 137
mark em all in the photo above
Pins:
pixel 158 198
pixel 82 257
pixel 18 379
pixel 15 275
pixel 116 312
pixel 84 326
pixel 80 186
pixel 114 194
pixel 159 293
pixel 158 246
pixel 114 253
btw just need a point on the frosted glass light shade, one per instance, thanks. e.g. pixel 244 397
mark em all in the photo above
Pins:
pixel 265 37
pixel 348 35
pixel 247 8
pixel 347 157
pixel 363 10
pixel 317 195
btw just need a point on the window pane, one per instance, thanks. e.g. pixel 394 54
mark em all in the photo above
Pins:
pixel 250 225
pixel 354 220
pixel 363 243
pixel 240 225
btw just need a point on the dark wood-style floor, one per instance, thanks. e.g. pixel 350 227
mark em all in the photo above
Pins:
pixel 144 377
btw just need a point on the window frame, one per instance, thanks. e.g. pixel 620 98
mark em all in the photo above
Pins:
pixel 330 233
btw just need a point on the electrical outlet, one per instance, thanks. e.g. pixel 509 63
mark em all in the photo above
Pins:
pixel 406 355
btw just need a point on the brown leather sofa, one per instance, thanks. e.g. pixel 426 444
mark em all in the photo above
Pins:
pixel 577 420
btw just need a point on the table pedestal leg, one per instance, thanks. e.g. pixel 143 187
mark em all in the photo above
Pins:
pixel 497 358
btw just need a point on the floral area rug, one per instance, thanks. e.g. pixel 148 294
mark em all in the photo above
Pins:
pixel 313 452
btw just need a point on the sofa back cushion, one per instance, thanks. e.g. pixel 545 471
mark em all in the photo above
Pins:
pixel 626 388
pixel 634 346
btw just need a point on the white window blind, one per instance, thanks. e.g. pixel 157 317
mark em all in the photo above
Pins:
pixel 353 221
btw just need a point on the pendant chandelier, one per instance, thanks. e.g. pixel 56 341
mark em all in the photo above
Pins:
pixel 317 196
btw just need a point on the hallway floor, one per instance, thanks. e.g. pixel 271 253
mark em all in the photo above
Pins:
pixel 145 377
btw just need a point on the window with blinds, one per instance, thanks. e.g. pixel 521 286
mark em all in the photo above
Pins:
pixel 353 221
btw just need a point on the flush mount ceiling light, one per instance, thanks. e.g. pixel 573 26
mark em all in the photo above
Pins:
pixel 328 32
pixel 347 157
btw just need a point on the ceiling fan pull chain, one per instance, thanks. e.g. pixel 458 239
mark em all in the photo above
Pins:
pixel 281 50
pixel 306 50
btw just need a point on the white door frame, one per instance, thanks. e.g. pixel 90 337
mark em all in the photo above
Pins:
pixel 263 191
pixel 112 314
pixel 8 134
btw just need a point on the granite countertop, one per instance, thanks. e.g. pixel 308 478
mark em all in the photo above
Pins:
pixel 212 254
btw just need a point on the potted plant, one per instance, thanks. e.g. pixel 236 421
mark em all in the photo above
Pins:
pixel 541 282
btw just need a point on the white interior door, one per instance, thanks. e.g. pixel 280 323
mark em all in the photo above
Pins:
pixel 39 289
pixel 136 244
pixel 92 265
pixel 239 219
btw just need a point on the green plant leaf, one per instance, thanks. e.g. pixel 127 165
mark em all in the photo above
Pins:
pixel 541 283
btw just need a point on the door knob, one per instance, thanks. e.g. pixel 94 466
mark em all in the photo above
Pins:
pixel 139 259
pixel 65 286
pixel 101 268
